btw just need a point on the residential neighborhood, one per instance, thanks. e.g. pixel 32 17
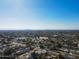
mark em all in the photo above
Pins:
pixel 48 44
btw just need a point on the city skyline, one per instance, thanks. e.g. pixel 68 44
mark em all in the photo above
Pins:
pixel 39 14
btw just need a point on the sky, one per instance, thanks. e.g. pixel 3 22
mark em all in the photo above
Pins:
pixel 39 14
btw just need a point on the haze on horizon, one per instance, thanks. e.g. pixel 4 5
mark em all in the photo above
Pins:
pixel 39 14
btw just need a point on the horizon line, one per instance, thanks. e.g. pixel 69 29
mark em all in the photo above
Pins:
pixel 37 29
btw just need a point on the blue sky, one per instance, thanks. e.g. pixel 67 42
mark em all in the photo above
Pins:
pixel 39 14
